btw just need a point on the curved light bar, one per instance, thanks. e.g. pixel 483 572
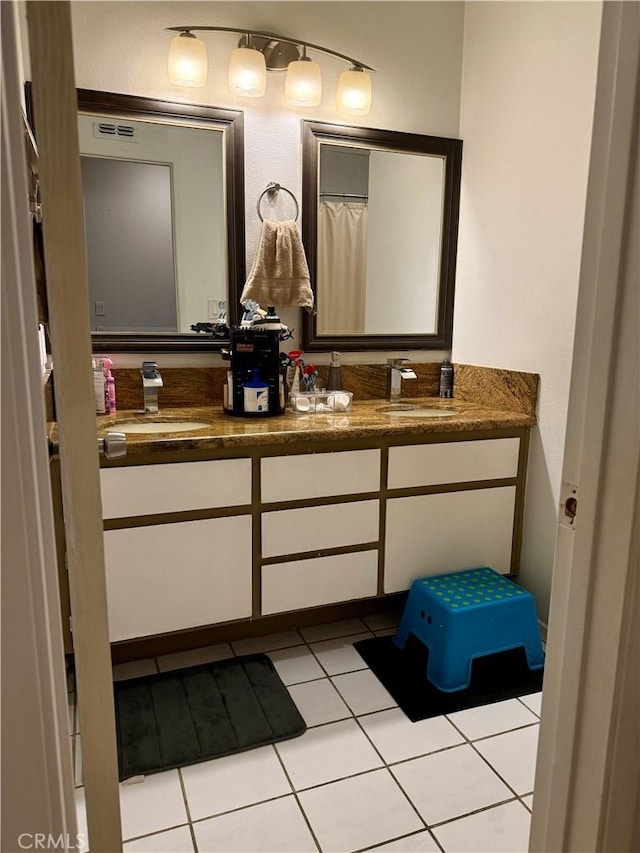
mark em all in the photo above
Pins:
pixel 274 37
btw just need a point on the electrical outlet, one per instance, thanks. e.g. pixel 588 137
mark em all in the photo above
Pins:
pixel 212 309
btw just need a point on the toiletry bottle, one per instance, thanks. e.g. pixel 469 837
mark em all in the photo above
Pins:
pixel 256 393
pixel 98 385
pixel 109 387
pixel 334 381
pixel 446 379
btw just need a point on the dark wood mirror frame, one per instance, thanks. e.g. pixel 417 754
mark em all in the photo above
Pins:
pixel 232 121
pixel 410 143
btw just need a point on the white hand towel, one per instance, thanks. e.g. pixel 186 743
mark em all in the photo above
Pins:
pixel 280 274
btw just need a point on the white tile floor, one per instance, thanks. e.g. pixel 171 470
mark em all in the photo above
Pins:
pixel 362 777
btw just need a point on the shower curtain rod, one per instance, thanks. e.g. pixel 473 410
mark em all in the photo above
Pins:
pixel 347 195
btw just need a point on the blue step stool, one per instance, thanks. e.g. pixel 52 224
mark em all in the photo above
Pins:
pixel 466 615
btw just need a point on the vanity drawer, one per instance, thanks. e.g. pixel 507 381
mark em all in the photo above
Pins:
pixel 176 487
pixel 168 577
pixel 321 580
pixel 447 532
pixel 293 531
pixel 452 462
pixel 319 475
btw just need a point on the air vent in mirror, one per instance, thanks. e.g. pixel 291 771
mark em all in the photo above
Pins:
pixel 111 130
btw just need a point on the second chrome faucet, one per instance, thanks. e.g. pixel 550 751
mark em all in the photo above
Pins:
pixel 151 381
pixel 397 372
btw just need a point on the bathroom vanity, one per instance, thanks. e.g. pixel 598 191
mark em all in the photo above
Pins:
pixel 271 522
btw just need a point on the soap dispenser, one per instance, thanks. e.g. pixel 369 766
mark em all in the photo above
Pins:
pixel 334 380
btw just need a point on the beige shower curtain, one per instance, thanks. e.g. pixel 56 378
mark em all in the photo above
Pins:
pixel 342 268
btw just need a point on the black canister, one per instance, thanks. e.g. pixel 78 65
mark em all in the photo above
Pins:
pixel 446 379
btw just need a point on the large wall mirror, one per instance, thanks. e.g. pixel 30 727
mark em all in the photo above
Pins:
pixel 380 226
pixel 163 191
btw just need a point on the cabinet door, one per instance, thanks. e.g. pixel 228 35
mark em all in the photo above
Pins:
pixel 435 534
pixel 320 580
pixel 453 462
pixel 149 489
pixel 167 577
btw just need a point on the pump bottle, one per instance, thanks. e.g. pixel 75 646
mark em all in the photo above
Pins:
pixel 334 380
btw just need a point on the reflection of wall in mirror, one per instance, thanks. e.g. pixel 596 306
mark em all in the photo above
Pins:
pixel 403 250
pixel 196 159
pixel 131 278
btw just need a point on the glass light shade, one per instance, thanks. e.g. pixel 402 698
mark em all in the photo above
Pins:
pixel 188 61
pixel 247 72
pixel 353 96
pixel 303 86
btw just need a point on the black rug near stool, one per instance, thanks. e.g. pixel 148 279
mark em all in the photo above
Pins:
pixel 504 675
pixel 190 715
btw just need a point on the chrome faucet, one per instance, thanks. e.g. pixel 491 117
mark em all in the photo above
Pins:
pixel 151 381
pixel 396 374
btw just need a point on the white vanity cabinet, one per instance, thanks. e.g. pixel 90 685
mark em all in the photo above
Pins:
pixel 447 532
pixel 170 575
pixel 200 543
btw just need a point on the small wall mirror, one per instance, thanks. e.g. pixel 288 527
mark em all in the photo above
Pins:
pixel 163 190
pixel 380 225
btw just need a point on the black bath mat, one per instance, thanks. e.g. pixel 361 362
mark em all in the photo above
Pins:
pixel 190 715
pixel 504 675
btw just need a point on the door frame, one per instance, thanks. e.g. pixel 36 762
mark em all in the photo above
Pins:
pixel 37 773
pixel 587 777
pixel 56 120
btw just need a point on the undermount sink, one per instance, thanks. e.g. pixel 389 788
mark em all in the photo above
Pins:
pixel 401 410
pixel 158 426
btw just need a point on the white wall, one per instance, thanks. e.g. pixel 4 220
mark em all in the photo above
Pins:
pixel 527 106
pixel 415 47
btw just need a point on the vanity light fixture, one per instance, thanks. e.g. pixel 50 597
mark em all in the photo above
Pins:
pixel 259 52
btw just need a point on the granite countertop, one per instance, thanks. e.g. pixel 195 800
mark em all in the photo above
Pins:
pixel 364 420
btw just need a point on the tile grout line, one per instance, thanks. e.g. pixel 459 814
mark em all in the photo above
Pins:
pixel 402 838
pixel 474 812
pixel 155 832
pixel 239 808
pixel 498 734
pixel 183 788
pixel 535 713
pixel 295 794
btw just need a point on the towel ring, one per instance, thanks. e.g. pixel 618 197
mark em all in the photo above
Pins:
pixel 274 188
